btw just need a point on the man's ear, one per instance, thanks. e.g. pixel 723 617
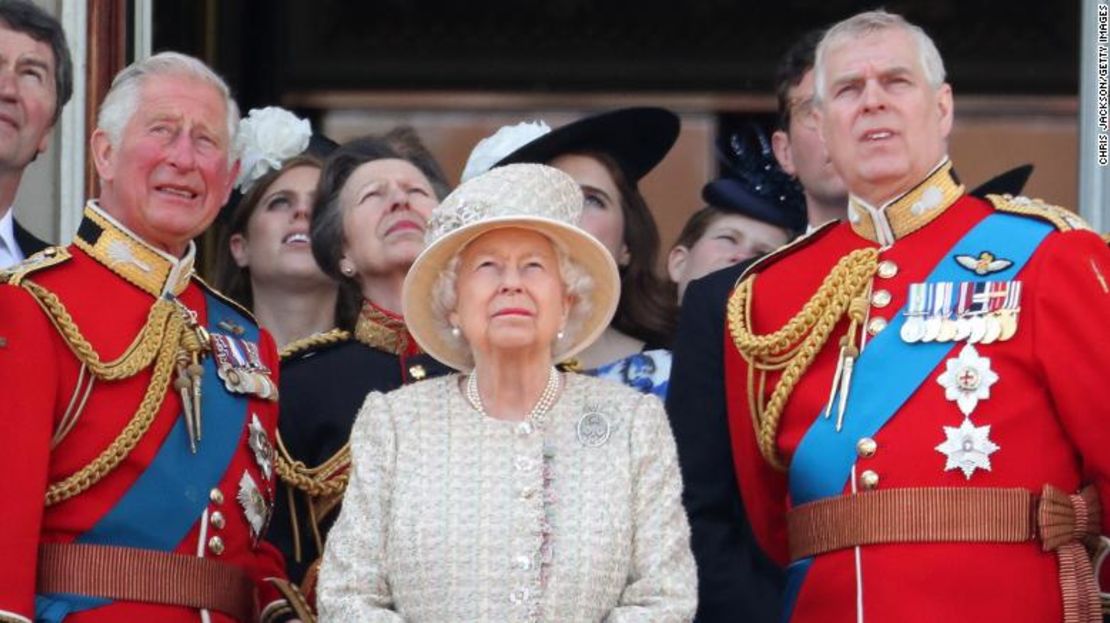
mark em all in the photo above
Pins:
pixel 780 144
pixel 103 153
pixel 676 262
pixel 232 176
pixel 237 244
pixel 944 108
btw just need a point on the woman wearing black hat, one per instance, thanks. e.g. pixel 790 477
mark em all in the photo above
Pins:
pixel 607 154
pixel 753 209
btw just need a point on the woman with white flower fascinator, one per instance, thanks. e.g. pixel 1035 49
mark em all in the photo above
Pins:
pixel 264 259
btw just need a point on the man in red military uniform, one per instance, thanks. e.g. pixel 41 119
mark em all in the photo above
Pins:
pixel 913 394
pixel 139 406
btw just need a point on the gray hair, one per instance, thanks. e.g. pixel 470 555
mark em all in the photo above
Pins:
pixel 122 99
pixel 577 281
pixel 871 22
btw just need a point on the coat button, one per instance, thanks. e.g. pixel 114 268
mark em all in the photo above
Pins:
pixel 869 479
pixel 866 447
pixel 518 595
pixel 216 496
pixel 217 520
pixel 418 372
pixel 887 269
pixel 880 298
pixel 876 325
pixel 216 545
pixel 522 562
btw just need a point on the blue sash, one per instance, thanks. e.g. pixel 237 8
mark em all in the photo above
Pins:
pixel 169 497
pixel 889 371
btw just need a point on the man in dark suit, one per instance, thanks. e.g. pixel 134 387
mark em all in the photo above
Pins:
pixel 36 81
pixel 736 582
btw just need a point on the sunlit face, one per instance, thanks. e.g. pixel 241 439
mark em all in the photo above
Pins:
pixel 602 215
pixel 729 239
pixel 511 296
pixel 800 150
pixel 169 175
pixel 275 246
pixel 386 205
pixel 885 127
pixel 28 95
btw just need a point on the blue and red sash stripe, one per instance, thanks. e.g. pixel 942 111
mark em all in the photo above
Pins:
pixel 889 371
pixel 170 496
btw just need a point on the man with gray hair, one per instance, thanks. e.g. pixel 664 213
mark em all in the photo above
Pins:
pixel 143 403
pixel 912 393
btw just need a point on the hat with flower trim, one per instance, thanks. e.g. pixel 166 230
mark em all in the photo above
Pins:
pixel 535 197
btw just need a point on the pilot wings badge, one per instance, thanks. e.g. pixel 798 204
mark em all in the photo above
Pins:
pixel 985 264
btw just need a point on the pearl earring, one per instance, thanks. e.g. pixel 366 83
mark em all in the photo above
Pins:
pixel 560 335
pixel 455 332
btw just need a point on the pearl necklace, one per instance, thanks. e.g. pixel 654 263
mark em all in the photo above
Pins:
pixel 538 413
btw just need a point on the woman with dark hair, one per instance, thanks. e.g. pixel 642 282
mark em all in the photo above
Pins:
pixel 264 259
pixel 373 201
pixel 607 154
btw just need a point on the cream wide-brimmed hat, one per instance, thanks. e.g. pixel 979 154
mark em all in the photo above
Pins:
pixel 529 196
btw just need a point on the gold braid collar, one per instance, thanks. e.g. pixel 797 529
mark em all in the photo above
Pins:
pixel 381 330
pixel 793 347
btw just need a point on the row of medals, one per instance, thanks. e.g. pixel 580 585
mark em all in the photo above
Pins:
pixel 996 326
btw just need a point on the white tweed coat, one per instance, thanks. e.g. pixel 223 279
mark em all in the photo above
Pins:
pixel 454 516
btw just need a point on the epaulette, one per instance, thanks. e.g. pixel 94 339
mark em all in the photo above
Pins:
pixel 1061 218
pixel 313 342
pixel 50 256
pixel 225 298
pixel 793 246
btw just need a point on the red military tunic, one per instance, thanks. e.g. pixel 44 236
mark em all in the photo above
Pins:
pixel 1046 414
pixel 108 289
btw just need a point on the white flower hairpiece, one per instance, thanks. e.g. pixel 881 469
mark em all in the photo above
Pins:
pixel 490 150
pixel 266 139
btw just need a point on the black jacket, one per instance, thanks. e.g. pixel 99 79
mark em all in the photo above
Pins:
pixel 27 241
pixel 736 581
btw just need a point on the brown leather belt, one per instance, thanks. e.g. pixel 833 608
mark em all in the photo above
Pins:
pixel 132 574
pixel 1061 522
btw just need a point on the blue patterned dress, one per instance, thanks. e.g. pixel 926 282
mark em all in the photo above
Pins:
pixel 648 372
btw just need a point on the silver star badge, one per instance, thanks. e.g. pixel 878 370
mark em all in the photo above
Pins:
pixel 263 449
pixel 967 379
pixel 254 505
pixel 968 447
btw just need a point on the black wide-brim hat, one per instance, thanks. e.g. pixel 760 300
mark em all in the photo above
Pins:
pixel 733 195
pixel 636 138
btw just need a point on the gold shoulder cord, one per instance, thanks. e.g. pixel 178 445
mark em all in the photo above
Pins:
pixel 323 488
pixel 160 341
pixel 794 346
pixel 315 340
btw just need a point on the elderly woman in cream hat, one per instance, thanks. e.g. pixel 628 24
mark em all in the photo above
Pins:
pixel 512 491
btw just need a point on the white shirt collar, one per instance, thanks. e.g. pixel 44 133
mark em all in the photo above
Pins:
pixel 10 253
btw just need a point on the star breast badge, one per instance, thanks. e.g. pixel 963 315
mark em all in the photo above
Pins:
pixel 968 447
pixel 967 379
